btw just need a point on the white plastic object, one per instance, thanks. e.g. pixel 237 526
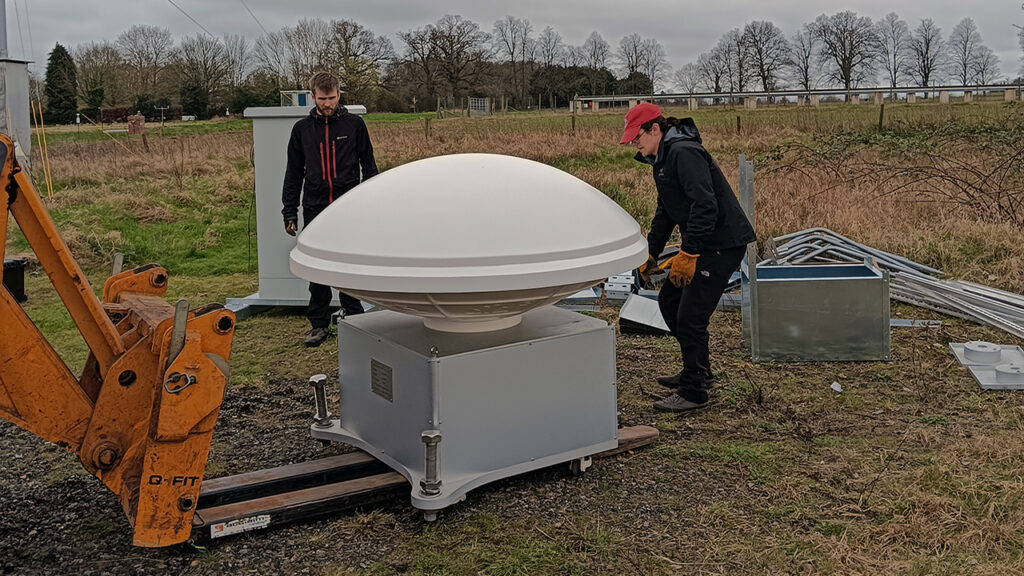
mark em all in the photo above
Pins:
pixel 468 241
pixel 1010 374
pixel 983 352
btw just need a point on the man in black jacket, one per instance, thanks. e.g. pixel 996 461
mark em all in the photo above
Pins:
pixel 694 195
pixel 329 153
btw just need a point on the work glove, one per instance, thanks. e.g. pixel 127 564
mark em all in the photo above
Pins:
pixel 291 227
pixel 647 268
pixel 684 266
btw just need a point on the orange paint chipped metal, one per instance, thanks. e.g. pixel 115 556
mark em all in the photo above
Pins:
pixel 146 439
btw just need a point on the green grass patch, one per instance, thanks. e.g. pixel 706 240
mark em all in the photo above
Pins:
pixel 503 547
pixel 398 117
pixel 761 460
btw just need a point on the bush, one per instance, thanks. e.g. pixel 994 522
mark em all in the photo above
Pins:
pixel 115 114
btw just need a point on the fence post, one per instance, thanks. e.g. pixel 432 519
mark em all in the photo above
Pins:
pixel 426 130
pixel 739 126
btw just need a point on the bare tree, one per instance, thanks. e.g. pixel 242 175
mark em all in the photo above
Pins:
pixel 239 54
pixel 736 53
pixel 630 54
pixel 573 57
pixel 270 54
pixel 1020 40
pixel 712 69
pixel 596 51
pixel 985 67
pixel 688 78
pixel 421 54
pixel 769 51
pixel 147 50
pixel 964 46
pixel 512 40
pixel 595 56
pixel 848 44
pixel 928 49
pixel 894 47
pixel 803 59
pixel 654 63
pixel 460 46
pixel 202 63
pixel 100 72
pixel 309 49
pixel 360 55
pixel 550 46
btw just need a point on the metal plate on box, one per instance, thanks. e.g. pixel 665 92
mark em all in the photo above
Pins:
pixel 381 381
pixel 640 315
pixel 986 354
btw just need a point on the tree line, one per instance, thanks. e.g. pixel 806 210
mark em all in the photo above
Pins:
pixel 145 69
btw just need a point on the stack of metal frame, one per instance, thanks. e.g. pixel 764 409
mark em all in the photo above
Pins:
pixel 911 282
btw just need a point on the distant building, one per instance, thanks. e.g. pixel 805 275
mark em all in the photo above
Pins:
pixel 296 98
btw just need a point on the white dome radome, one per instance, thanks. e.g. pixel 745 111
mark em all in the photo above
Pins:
pixel 468 241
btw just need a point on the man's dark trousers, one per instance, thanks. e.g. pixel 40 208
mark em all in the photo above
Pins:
pixel 319 311
pixel 687 312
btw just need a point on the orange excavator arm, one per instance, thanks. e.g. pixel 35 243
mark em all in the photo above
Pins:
pixel 141 415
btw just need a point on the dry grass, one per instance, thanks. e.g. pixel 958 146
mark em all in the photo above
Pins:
pixel 911 470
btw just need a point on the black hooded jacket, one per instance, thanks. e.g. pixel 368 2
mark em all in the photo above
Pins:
pixel 694 195
pixel 324 160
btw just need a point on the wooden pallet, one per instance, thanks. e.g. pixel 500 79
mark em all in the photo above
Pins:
pixel 277 496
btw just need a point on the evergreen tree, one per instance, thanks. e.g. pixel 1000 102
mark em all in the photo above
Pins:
pixel 195 101
pixel 61 87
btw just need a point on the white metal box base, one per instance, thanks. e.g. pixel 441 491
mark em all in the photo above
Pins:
pixel 504 402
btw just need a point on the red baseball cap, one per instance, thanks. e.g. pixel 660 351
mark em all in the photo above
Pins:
pixel 640 114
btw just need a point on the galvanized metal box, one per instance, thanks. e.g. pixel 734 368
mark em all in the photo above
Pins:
pixel 817 313
pixel 503 402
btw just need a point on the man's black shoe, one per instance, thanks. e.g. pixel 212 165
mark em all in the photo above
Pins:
pixel 316 337
pixel 678 404
pixel 669 381
pixel 672 380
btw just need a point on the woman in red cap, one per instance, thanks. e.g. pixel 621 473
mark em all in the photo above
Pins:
pixel 694 195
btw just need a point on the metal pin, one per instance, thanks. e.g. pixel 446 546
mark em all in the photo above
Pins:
pixel 118 264
pixel 322 418
pixel 178 331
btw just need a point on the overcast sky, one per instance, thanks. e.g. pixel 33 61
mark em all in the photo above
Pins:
pixel 684 28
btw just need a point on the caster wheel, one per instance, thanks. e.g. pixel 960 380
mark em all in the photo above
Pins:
pixel 578 466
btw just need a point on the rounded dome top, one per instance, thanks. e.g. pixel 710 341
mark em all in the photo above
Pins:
pixel 468 223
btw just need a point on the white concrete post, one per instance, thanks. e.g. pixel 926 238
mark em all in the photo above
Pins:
pixel 943 97
pixel 911 98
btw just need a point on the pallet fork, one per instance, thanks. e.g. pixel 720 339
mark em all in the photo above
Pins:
pixel 141 415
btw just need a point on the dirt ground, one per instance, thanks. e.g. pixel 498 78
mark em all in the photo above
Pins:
pixel 911 469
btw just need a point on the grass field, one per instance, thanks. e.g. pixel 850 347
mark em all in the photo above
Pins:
pixel 911 470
